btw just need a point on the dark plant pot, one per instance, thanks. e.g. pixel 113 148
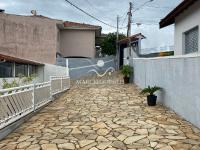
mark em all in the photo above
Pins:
pixel 151 100
pixel 126 80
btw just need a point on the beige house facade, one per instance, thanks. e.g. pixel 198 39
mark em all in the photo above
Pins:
pixel 29 37
pixel 41 39
pixel 78 40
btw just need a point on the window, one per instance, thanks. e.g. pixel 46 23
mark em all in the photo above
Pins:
pixel 32 69
pixel 21 69
pixel 6 69
pixel 191 40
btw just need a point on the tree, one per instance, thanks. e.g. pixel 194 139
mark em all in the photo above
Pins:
pixel 109 43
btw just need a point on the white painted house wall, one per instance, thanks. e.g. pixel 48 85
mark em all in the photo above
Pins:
pixel 129 55
pixel 189 19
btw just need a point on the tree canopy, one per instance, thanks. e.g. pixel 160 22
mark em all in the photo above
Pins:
pixel 109 43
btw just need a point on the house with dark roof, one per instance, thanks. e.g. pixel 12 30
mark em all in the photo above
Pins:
pixel 186 17
pixel 130 47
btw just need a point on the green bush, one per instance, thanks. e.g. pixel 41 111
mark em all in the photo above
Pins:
pixel 150 90
pixel 126 70
pixel 22 79
pixel 7 85
pixel 108 45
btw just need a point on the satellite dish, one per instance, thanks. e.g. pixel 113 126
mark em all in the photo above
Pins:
pixel 34 12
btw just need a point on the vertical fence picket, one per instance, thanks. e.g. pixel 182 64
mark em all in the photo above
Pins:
pixel 33 93
pixel 61 83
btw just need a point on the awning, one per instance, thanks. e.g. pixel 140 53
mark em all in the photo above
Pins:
pixel 18 60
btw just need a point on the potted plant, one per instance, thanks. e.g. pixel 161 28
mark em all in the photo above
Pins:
pixel 126 71
pixel 151 97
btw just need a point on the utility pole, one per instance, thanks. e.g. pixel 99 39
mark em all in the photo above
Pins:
pixel 129 25
pixel 117 46
pixel 129 19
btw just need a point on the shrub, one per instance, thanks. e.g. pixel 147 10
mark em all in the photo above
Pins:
pixel 126 70
pixel 150 90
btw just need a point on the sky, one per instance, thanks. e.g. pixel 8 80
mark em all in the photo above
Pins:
pixel 107 11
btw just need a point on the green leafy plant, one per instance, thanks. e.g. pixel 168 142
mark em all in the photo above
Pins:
pixel 108 45
pixel 21 80
pixel 126 70
pixel 150 90
pixel 28 79
pixel 7 85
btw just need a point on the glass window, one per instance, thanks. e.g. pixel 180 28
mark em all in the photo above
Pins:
pixel 191 40
pixel 6 69
pixel 32 69
pixel 21 69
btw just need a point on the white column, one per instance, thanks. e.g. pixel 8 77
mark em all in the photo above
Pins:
pixel 139 45
pixel 67 67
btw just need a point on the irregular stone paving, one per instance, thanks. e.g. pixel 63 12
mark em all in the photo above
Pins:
pixel 102 117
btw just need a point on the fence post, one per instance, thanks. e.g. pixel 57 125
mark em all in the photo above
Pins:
pixel 34 85
pixel 51 88
pixel 61 83
pixel 67 67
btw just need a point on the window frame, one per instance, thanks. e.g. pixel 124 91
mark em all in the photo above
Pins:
pixel 184 40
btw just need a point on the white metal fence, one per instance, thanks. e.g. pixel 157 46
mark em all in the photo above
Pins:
pixel 16 103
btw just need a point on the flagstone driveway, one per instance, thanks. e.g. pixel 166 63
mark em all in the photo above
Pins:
pixel 103 117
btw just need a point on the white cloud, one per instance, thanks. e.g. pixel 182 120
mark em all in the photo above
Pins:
pixel 106 10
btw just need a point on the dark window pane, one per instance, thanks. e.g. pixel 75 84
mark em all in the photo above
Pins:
pixel 32 69
pixel 21 69
pixel 6 69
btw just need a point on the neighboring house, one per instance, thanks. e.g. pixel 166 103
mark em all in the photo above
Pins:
pixel 41 39
pixel 29 37
pixel 186 17
pixel 78 39
pixel 125 52
pixel 13 66
pixel 32 44
pixel 158 54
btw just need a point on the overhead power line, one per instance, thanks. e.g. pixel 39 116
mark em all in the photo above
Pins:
pixel 162 7
pixel 124 19
pixel 155 6
pixel 90 14
pixel 141 6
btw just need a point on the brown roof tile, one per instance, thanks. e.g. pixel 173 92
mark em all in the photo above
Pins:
pixel 18 60
pixel 68 24
pixel 133 38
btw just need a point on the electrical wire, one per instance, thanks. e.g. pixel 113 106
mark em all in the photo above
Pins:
pixel 159 7
pixel 124 20
pixel 90 14
pixel 141 6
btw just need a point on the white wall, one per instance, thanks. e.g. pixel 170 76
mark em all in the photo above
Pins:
pixel 51 70
pixel 127 55
pixel 179 78
pixel 189 19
